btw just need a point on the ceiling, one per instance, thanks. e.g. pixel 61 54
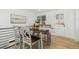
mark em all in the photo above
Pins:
pixel 40 10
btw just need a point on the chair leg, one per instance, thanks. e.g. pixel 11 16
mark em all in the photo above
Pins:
pixel 23 45
pixel 15 44
pixel 39 44
pixel 30 46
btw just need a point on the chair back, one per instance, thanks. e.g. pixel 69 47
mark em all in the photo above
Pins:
pixel 17 33
pixel 27 37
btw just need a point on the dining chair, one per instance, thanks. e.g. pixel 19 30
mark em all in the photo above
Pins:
pixel 30 39
pixel 17 36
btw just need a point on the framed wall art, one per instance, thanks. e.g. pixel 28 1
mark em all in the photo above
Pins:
pixel 60 19
pixel 17 19
pixel 60 16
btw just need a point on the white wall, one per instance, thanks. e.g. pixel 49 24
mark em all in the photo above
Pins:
pixel 5 17
pixel 68 30
pixel 77 25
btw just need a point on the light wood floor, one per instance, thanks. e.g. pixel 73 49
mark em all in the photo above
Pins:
pixel 58 42
pixel 62 43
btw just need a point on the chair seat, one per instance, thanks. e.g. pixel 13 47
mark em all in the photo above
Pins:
pixel 34 38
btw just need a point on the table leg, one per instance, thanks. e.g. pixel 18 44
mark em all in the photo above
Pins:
pixel 41 41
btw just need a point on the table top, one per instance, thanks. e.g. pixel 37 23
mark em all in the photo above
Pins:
pixel 40 29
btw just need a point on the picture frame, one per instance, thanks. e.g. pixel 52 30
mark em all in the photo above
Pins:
pixel 60 16
pixel 17 19
pixel 60 19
